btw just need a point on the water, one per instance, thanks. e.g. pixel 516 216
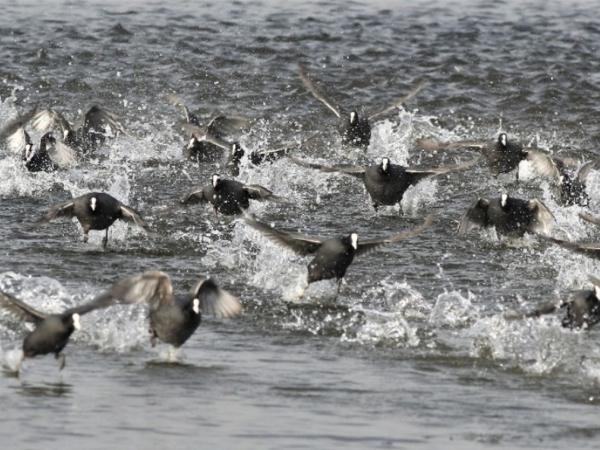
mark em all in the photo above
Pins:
pixel 415 352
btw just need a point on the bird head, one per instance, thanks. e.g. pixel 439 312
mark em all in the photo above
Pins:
pixel 29 152
pixel 76 321
pixel 385 165
pixel 192 142
pixel 353 117
pixel 93 202
pixel 354 240
pixel 503 139
pixel 503 199
pixel 215 180
pixel 196 305
pixel 236 151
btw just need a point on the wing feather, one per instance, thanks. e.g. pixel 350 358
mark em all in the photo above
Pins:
pixel 20 309
pixel 398 102
pixel 298 243
pixel 369 245
pixel 215 301
pixel 309 85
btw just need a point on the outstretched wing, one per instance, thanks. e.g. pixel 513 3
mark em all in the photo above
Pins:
pixel 586 169
pixel 223 124
pixel 98 120
pixel 298 243
pixel 256 192
pixel 417 175
pixel 476 216
pixel 356 171
pixel 308 84
pixel 49 119
pixel 131 215
pixel 589 218
pixel 62 154
pixel 398 102
pixel 591 249
pixel 18 141
pixel 431 144
pixel 544 219
pixel 215 301
pixel 177 101
pixel 543 164
pixel 202 135
pixel 369 245
pixel 20 309
pixel 153 288
pixel 199 195
pixel 61 210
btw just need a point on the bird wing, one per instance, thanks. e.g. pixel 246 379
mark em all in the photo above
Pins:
pixel 177 101
pixel 544 219
pixel 308 84
pixel 298 243
pixel 98 120
pixel 418 174
pixel 369 245
pixel 202 135
pixel 357 171
pixel 589 218
pixel 196 196
pixel 20 309
pixel 594 280
pixel 257 192
pixel 398 102
pixel 543 164
pixel 591 249
pixel 215 301
pixel 476 216
pixel 18 140
pixel 585 170
pixel 49 119
pixel 61 210
pixel 62 154
pixel 131 215
pixel 431 144
pixel 153 288
pixel 222 124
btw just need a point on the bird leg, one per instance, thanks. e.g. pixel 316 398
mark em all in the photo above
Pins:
pixel 105 240
pixel 62 360
pixel 153 337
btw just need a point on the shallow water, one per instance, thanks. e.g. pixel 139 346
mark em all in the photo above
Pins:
pixel 415 352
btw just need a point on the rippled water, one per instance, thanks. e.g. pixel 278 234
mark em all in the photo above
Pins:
pixel 415 352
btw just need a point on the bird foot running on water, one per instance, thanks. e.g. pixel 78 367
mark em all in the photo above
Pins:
pixel 62 360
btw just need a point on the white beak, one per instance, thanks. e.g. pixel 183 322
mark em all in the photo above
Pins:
pixel 354 240
pixel 192 142
pixel 76 322
pixel 503 200
pixel 215 180
pixel 352 117
pixel 196 305
pixel 384 164
pixel 503 139
pixel 597 292
pixel 93 203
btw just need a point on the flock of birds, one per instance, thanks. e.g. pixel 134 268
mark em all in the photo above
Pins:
pixel 173 319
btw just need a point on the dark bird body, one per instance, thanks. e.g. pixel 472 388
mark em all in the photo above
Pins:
pixel 52 331
pixel 39 160
pixel 511 216
pixel 582 308
pixel 503 156
pixel 386 183
pixel 173 319
pixel 98 125
pixel 229 197
pixel 354 128
pixel 94 211
pixel 332 257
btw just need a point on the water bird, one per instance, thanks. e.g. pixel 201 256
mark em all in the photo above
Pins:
pixel 52 331
pixel 48 156
pixel 591 249
pixel 229 197
pixel 200 147
pixel 503 156
pixel 509 215
pixel 385 182
pixel 354 128
pixel 173 319
pixel 582 308
pixel 94 211
pixel 332 256
pixel 98 125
